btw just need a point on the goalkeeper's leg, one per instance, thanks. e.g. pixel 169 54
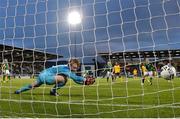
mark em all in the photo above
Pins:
pixel 28 87
pixel 60 82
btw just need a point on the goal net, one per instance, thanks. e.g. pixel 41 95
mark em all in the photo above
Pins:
pixel 122 43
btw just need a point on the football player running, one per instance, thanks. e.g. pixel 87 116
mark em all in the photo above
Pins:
pixel 147 70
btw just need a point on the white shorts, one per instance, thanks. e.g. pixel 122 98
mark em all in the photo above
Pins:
pixel 149 73
pixel 109 74
pixel 6 72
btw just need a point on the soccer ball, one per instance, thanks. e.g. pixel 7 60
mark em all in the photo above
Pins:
pixel 168 72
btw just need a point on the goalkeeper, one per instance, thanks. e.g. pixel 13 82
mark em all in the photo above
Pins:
pixel 58 75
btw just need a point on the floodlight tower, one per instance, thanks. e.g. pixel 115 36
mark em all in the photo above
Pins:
pixel 74 18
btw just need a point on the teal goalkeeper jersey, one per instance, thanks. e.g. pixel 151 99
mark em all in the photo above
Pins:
pixel 62 69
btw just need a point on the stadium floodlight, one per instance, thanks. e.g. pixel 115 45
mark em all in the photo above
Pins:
pixel 74 17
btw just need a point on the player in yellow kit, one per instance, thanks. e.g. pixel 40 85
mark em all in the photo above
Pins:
pixel 135 72
pixel 144 73
pixel 116 70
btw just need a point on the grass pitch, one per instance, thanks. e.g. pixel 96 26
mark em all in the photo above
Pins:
pixel 123 98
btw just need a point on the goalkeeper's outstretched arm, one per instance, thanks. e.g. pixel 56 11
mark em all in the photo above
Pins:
pixel 88 80
pixel 74 65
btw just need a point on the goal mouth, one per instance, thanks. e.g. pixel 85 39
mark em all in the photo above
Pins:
pixel 121 45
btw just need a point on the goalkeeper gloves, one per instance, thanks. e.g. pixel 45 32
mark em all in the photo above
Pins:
pixel 89 80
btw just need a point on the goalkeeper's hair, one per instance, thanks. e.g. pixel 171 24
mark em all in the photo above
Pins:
pixel 74 61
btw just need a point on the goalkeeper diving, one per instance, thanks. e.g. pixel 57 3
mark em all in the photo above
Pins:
pixel 58 75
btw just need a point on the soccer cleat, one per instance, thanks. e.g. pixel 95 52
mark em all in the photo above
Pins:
pixel 54 93
pixel 17 92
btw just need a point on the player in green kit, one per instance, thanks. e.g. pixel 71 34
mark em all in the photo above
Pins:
pixel 108 71
pixel 150 68
pixel 5 70
pixel 147 70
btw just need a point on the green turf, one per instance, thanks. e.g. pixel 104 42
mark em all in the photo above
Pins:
pixel 119 99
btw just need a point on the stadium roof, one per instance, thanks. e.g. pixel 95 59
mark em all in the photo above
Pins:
pixel 163 54
pixel 18 55
pixel 108 26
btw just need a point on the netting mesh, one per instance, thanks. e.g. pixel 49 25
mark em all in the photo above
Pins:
pixel 34 34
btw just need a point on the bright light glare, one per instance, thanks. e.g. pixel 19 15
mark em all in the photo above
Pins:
pixel 74 18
